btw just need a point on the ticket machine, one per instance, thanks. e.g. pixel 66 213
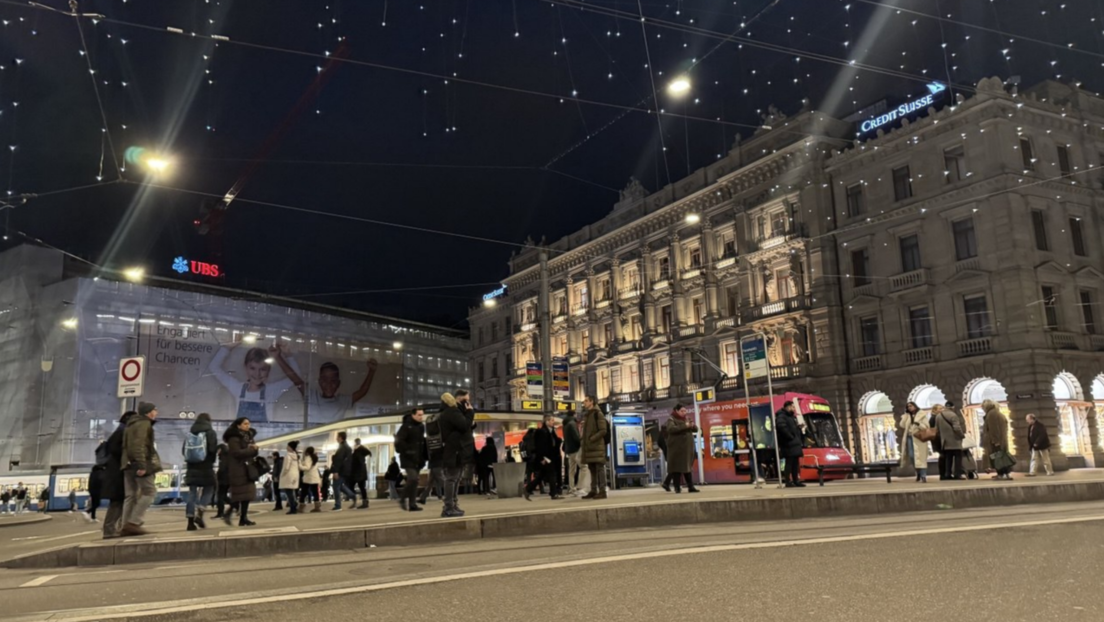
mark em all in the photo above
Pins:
pixel 630 460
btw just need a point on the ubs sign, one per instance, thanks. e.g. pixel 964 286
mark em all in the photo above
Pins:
pixel 184 266
pixel 935 91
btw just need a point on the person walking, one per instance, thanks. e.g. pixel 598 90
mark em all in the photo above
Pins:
pixel 311 480
pixel 394 477
pixel 289 477
pixel 1039 440
pixel 680 449
pixel 277 469
pixel 113 487
pixel 341 468
pixel 484 468
pixel 241 472
pixel 546 450
pixel 141 464
pixel 572 445
pixel 222 479
pixel 200 452
pixel 435 452
pixel 95 486
pixel 913 450
pixel 359 473
pixel 995 438
pixel 5 500
pixel 20 499
pixel 952 432
pixel 459 451
pixel 595 433
pixel 790 444
pixel 410 445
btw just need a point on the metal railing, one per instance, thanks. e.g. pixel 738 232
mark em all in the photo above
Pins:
pixel 973 347
pixel 919 355
pixel 1063 341
pixel 908 280
pixel 788 305
pixel 869 363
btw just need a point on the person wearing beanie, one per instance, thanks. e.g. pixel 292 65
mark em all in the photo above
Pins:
pixel 140 464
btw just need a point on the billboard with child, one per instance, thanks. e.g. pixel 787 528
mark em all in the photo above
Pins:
pixel 266 378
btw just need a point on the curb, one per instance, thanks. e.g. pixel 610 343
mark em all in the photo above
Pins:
pixel 4 522
pixel 567 521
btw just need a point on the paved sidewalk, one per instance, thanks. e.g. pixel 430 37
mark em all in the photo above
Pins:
pixel 385 523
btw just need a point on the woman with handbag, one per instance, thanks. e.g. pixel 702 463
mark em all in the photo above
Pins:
pixel 995 437
pixel 242 472
pixel 916 433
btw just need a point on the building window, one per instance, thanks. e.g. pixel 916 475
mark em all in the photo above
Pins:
pixel 664 379
pixel 605 287
pixel 1027 152
pixel 902 184
pixel 761 228
pixel 562 341
pixel 778 224
pixel 494 332
pixel 698 309
pixel 730 359
pixel 977 316
pixel 1088 317
pixel 964 239
pixel 632 377
pixel 1050 307
pixel 494 367
pixel 1077 236
pixel 509 364
pixel 664 267
pixel 480 373
pixel 869 333
pixel 855 205
pixel 696 257
pixel 480 335
pixel 507 326
pixel 954 164
pixel 782 280
pixel 608 329
pixel 586 340
pixel 649 371
pixel 665 319
pixel 728 245
pixel 910 253
pixel 636 328
pixel 860 267
pixel 603 383
pixel 732 295
pixel 1038 221
pixel 1064 161
pixel 615 379
pixel 920 327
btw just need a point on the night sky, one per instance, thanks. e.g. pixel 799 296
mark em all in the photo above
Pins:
pixel 533 133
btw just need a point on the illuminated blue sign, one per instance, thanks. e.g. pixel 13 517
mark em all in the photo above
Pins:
pixel 498 293
pixel 904 110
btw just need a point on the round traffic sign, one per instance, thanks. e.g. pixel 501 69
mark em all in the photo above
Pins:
pixel 131 370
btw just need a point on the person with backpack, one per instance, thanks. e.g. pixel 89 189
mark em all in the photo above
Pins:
pixel 410 445
pixel 288 476
pixel 459 452
pixel 435 452
pixel 200 451
pixel 595 439
pixel 311 480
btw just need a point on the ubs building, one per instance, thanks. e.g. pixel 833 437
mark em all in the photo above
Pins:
pixel 284 364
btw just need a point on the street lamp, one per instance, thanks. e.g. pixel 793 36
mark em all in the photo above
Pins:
pixel 70 323
pixel 490 303
pixel 398 345
pixel 692 219
pixel 134 274
pixel 679 86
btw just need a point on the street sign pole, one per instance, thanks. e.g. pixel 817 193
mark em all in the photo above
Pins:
pixel 774 422
pixel 699 440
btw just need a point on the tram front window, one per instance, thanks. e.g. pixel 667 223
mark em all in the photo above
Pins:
pixel 821 430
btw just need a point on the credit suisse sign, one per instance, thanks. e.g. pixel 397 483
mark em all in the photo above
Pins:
pixel 935 91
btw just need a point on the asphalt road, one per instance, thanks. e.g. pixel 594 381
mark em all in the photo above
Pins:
pixel 1023 563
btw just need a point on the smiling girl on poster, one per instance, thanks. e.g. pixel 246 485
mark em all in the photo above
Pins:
pixel 255 396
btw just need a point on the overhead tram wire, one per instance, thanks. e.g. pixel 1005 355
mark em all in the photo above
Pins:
pixel 655 94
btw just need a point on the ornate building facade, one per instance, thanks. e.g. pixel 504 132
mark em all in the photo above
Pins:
pixel 903 266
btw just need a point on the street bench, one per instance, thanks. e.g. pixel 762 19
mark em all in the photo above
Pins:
pixel 852 468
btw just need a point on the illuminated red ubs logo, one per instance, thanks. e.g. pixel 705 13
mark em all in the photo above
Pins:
pixel 182 266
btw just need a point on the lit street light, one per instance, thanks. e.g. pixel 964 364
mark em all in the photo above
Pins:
pixel 489 303
pixel 398 345
pixel 69 323
pixel 134 274
pixel 157 164
pixel 679 86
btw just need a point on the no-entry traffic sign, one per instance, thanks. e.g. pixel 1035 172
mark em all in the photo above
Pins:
pixel 132 376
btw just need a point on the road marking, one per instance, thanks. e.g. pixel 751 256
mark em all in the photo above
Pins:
pixel 40 580
pixel 259 532
pixel 71 535
pixel 191 606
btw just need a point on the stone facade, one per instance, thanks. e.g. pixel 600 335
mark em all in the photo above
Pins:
pixel 903 267
pixel 492 357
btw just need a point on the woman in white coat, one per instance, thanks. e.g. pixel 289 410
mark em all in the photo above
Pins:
pixel 289 477
pixel 312 479
pixel 913 450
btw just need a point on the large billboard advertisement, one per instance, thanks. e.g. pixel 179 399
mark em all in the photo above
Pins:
pixel 269 378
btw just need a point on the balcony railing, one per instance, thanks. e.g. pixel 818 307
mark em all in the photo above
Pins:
pixel 973 263
pixel 726 322
pixel 602 304
pixel 628 346
pixel 661 284
pixel 528 326
pixel 631 291
pixel 869 363
pixel 559 318
pixel 1063 341
pixel 662 394
pixel 579 309
pixel 731 383
pixel 1096 342
pixel 973 347
pixel 690 273
pixel 908 280
pixel 725 262
pixel 787 371
pixel 919 355
pixel 777 237
pixel 685 332
pixel 789 305
pixel 574 359
pixel 866 289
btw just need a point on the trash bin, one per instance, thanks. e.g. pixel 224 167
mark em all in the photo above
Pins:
pixel 508 478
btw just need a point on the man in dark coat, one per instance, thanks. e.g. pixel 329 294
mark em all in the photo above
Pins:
pixel 546 450
pixel 113 487
pixel 341 466
pixel 790 445
pixel 459 451
pixel 680 450
pixel 358 473
pixel 435 452
pixel 595 433
pixel 1039 440
pixel 463 402
pixel 572 443
pixel 410 445
pixel 200 476
pixel 222 476
pixel 277 469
